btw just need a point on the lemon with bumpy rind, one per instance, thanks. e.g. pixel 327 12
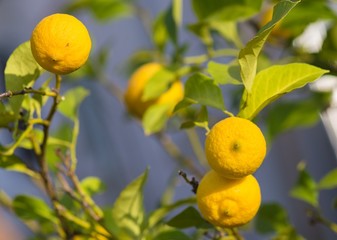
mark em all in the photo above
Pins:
pixel 60 43
pixel 228 202
pixel 235 147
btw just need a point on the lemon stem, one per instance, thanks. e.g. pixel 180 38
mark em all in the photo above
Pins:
pixel 235 233
pixel 42 161
pixel 228 113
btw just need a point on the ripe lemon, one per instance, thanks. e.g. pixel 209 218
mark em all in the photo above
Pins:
pixel 235 147
pixel 134 91
pixel 60 43
pixel 228 202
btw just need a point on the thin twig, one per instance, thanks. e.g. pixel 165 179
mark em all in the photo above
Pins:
pixel 193 182
pixel 316 217
pixel 27 90
pixel 44 172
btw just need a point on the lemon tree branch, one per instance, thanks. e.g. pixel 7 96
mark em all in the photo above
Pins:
pixel 27 90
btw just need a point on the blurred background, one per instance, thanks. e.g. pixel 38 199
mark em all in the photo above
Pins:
pixel 112 145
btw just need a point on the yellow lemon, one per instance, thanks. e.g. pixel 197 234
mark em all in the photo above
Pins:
pixel 228 202
pixel 235 147
pixel 134 91
pixel 60 43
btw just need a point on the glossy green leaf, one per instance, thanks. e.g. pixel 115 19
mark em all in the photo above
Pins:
pixel 229 10
pixel 71 101
pixel 92 185
pixel 158 215
pixel 224 73
pixel 33 208
pixel 275 81
pixel 271 217
pixel 21 71
pixel 305 188
pixel 158 84
pixel 200 121
pixel 128 210
pixel 248 56
pixel 189 217
pixel 14 163
pixel 155 118
pixel 203 90
pixel 329 181
pixel 102 9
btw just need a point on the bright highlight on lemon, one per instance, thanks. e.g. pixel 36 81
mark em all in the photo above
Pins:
pixel 60 43
pixel 134 91
pixel 235 147
pixel 228 202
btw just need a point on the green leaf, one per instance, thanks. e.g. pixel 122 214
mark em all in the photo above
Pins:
pixel 296 21
pixel 92 185
pixel 128 210
pixel 71 101
pixel 172 234
pixel 224 73
pixel 171 25
pixel 14 163
pixel 202 30
pixel 201 120
pixel 102 9
pixel 329 181
pixel 271 217
pixel 20 72
pixel 33 208
pixel 158 215
pixel 189 217
pixel 229 10
pixel 293 114
pixel 177 12
pixel 155 118
pixel 159 32
pixel 275 81
pixel 228 30
pixel 248 56
pixel 305 188
pixel 6 117
pixel 158 84
pixel 203 90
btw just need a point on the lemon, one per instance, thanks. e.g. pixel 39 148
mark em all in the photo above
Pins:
pixel 60 43
pixel 235 147
pixel 134 91
pixel 228 202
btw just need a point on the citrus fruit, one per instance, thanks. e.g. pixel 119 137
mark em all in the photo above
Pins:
pixel 228 202
pixel 134 91
pixel 60 43
pixel 235 147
